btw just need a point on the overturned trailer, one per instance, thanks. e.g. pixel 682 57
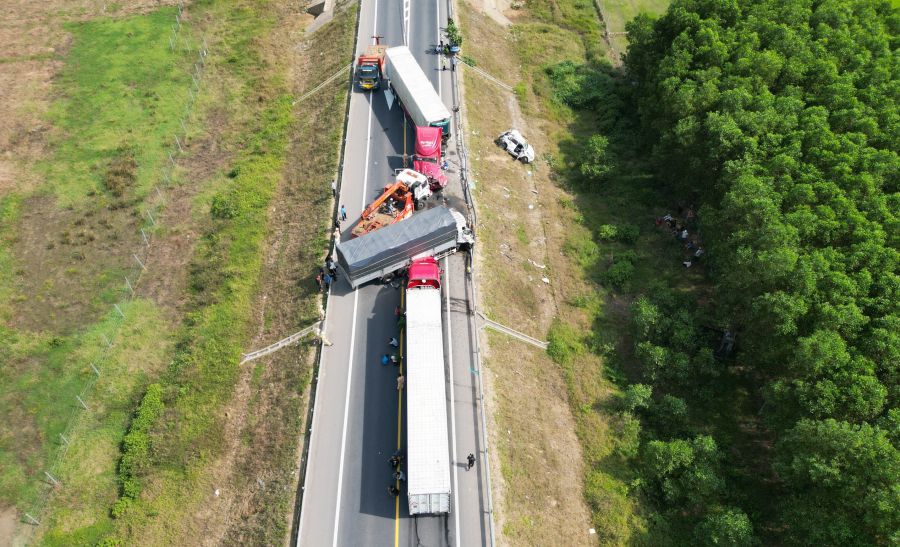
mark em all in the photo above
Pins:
pixel 382 253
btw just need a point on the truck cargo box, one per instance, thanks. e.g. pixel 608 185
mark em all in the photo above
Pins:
pixel 384 251
pixel 428 449
pixel 415 91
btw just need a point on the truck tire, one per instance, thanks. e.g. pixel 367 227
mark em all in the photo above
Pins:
pixel 523 159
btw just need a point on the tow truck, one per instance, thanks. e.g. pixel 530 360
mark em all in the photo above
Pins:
pixel 396 202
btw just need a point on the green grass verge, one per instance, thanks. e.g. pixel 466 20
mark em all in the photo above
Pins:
pixel 46 396
pixel 225 275
pixel 121 88
pixel 123 92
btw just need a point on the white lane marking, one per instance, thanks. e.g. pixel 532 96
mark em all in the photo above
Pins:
pixel 439 56
pixel 452 402
pixel 406 10
pixel 337 508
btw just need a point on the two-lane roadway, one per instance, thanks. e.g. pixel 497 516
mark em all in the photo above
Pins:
pixel 356 425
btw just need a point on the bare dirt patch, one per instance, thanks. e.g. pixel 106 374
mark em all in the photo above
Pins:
pixel 61 256
pixel 495 9
pixel 8 520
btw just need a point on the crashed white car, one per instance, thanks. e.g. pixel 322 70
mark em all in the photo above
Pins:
pixel 513 142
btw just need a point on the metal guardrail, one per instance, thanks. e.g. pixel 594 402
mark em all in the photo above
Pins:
pixel 470 279
pixel 511 332
pixel 284 342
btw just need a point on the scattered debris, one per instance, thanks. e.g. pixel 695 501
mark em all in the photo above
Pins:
pixel 536 265
pixel 545 280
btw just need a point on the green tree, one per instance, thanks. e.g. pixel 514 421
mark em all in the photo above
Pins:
pixel 595 161
pixel 728 527
pixel 844 483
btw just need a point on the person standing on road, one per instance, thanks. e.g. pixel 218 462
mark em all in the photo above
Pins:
pixel 343 212
pixel 400 382
pixel 470 461
pixel 393 490
pixel 334 188
pixel 328 280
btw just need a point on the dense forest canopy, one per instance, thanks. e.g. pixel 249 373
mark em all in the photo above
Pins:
pixel 778 121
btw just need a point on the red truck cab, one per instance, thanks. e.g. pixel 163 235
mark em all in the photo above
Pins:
pixel 427 159
pixel 424 272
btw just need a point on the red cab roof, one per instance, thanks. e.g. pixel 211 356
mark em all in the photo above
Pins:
pixel 424 271
pixel 428 141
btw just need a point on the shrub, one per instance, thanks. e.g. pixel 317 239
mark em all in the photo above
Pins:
pixel 627 233
pixel 136 447
pixel 563 343
pixel 223 207
pixel 619 274
pixel 636 396
pixel 607 232
pixel 595 158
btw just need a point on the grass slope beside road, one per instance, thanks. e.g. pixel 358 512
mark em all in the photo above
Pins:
pixel 64 250
pixel 203 271
pixel 538 222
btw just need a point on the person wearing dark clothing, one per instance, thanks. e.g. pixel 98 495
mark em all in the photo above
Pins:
pixel 395 460
pixel 399 476
pixel 393 490
pixel 470 461
pixel 328 280
pixel 319 281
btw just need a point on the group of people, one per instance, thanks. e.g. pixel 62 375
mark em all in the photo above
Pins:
pixel 327 275
pixel 679 230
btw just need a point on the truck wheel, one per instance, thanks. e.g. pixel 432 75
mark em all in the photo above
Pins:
pixel 523 159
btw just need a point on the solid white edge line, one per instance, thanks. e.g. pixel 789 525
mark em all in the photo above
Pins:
pixel 452 402
pixel 337 505
pixel 437 22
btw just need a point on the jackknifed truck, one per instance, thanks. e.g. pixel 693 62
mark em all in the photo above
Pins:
pixel 417 96
pixel 428 449
pixel 383 253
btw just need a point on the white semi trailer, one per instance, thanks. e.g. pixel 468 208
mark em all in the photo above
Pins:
pixel 428 452
pixel 418 97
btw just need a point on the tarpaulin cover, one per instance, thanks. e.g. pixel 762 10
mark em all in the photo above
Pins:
pixel 433 231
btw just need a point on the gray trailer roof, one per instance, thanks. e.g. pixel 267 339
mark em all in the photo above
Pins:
pixel 397 242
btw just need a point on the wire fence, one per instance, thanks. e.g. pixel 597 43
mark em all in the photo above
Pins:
pixel 87 404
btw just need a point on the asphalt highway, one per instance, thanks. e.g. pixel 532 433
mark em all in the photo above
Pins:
pixel 359 415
